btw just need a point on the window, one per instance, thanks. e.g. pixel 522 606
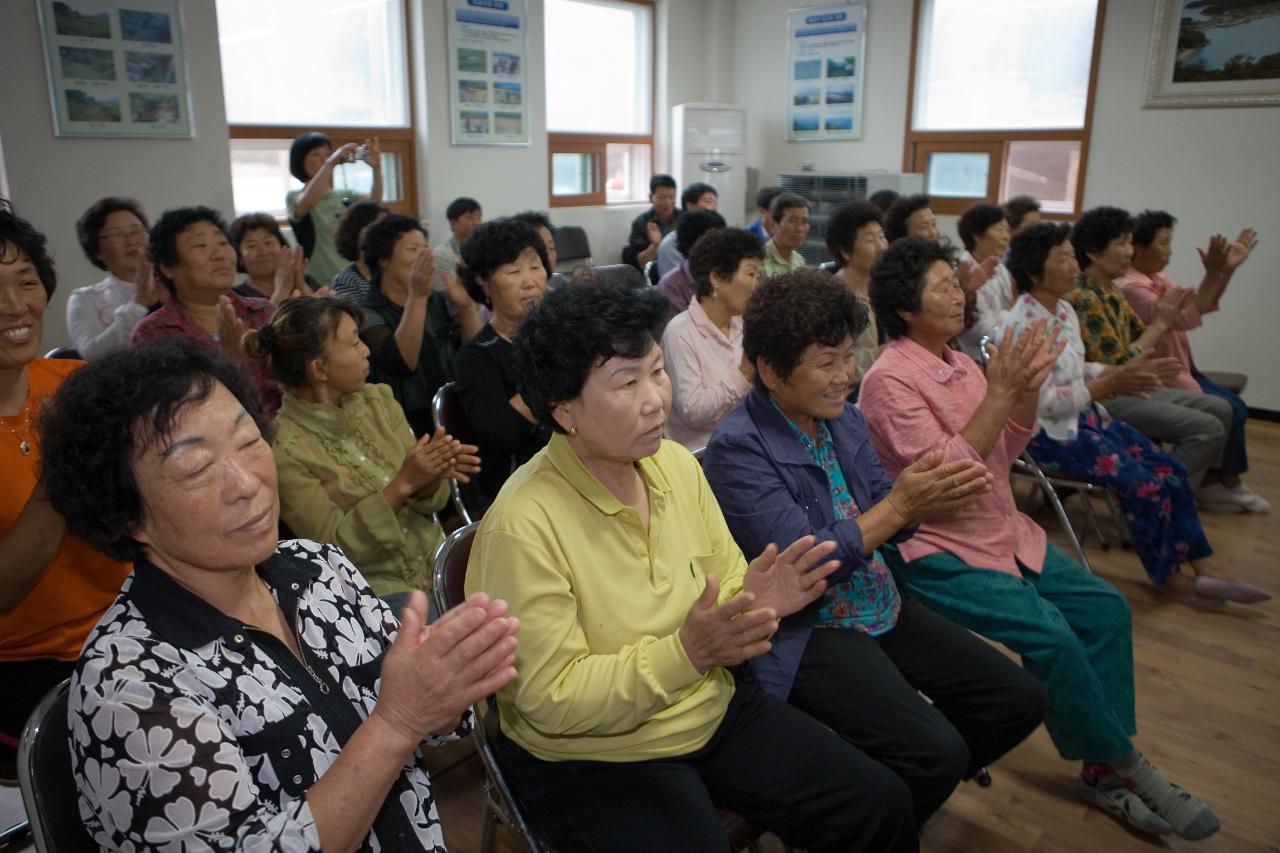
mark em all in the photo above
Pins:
pixel 276 86
pixel 1000 100
pixel 599 84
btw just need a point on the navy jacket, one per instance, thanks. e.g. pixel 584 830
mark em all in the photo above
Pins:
pixel 771 490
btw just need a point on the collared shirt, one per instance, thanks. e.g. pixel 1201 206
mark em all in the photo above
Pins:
pixel 867 601
pixel 705 368
pixel 915 402
pixel 774 264
pixel 448 256
pixel 253 312
pixel 191 730
pixel 638 238
pixel 333 463
pixel 990 303
pixel 1065 393
pixel 101 317
pixel 1108 325
pixel 668 257
pixel 1143 292
pixel 603 674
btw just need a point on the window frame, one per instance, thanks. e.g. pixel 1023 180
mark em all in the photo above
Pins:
pixel 393 139
pixel 596 144
pixel 918 144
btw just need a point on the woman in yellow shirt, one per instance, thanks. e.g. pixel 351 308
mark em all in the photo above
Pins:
pixel 625 729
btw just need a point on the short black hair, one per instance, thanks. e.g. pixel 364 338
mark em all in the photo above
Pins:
pixel 884 199
pixel 1030 248
pixel 380 240
pixel 573 330
pixel 301 147
pixel 535 219
pixel 242 225
pixel 492 244
pixel 766 195
pixel 1095 230
pixel 162 249
pixel 1017 208
pixel 844 225
pixel 695 191
pixel 659 181
pixel 693 225
pixel 975 221
pixel 1148 223
pixel 296 335
pixel 459 207
pixel 790 312
pixel 784 202
pixel 898 278
pixel 92 221
pixel 19 237
pixel 106 413
pixel 346 237
pixel 895 218
pixel 721 251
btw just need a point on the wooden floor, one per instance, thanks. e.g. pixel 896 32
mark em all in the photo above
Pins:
pixel 1208 695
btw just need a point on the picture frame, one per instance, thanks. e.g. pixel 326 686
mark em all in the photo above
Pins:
pixel 1213 59
pixel 826 67
pixel 116 69
pixel 488 77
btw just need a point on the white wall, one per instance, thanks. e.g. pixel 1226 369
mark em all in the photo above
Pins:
pixel 52 180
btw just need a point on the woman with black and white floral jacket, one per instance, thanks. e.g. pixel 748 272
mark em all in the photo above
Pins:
pixel 241 693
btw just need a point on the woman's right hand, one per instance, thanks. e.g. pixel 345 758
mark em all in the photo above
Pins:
pixel 421 274
pixel 928 487
pixel 429 459
pixel 725 634
pixel 1012 365
pixel 432 673
pixel 343 154
pixel 147 288
pixel 1140 375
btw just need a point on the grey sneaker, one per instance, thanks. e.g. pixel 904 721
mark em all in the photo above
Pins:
pixel 1123 803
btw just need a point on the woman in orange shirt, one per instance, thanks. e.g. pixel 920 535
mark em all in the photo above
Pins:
pixel 53 587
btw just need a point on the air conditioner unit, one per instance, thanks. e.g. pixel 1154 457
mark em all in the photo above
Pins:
pixel 826 191
pixel 709 144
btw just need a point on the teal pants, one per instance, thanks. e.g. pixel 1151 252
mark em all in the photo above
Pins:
pixel 1071 629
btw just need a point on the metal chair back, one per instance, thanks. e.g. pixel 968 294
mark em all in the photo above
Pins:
pixel 446 409
pixel 44 773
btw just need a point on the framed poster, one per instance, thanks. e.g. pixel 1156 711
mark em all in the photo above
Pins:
pixel 117 68
pixel 825 68
pixel 488 95
pixel 1210 54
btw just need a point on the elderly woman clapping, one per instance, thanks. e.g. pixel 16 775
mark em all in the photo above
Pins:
pixel 241 693
pixel 626 729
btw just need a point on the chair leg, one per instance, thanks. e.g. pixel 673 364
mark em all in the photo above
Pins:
pixel 1061 511
pixel 1118 519
pixel 1087 497
pixel 13 834
pixel 488 831
pixel 983 777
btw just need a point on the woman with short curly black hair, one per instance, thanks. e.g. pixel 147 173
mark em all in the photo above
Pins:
pixel 794 460
pixel 625 722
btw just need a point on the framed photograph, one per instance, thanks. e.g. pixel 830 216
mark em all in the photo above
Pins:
pixel 1214 53
pixel 487 50
pixel 116 69
pixel 826 62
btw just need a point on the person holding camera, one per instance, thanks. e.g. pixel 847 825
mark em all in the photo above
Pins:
pixel 315 209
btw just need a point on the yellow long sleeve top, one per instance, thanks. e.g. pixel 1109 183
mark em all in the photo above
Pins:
pixel 333 462
pixel 603 675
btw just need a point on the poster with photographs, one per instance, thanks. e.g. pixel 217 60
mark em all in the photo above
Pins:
pixel 116 68
pixel 487 79
pixel 825 67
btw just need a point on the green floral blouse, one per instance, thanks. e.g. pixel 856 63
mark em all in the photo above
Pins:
pixel 1108 325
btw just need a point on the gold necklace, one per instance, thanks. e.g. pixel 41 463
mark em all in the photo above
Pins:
pixel 23 444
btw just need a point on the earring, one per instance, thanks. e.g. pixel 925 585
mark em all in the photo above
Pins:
pixel 571 431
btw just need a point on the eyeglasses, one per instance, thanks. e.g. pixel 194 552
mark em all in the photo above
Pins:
pixel 123 234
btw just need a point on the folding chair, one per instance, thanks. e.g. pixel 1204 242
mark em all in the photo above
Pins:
pixel 501 803
pixel 446 409
pixel 44 772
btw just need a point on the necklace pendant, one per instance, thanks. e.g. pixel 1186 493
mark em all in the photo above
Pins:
pixel 24 447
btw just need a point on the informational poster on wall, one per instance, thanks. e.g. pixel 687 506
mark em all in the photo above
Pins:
pixel 116 68
pixel 487 72
pixel 826 65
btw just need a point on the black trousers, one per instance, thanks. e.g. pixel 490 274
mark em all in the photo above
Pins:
pixel 25 684
pixel 768 762
pixel 868 689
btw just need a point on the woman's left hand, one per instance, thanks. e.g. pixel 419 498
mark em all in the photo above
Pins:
pixel 787 581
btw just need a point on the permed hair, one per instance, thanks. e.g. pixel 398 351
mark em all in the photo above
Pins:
pixel 162 250
pixel 1030 248
pixel 301 147
pixel 898 279
pixel 346 237
pixel 90 224
pixel 297 335
pixel 1017 208
pixel 492 244
pixel 108 412
pixel 693 225
pixel 1095 230
pixel 844 225
pixel 975 221
pixel 380 240
pixel 695 191
pixel 242 225
pixel 19 238
pixel 790 312
pixel 1148 223
pixel 721 251
pixel 460 207
pixel 575 329
pixel 895 218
